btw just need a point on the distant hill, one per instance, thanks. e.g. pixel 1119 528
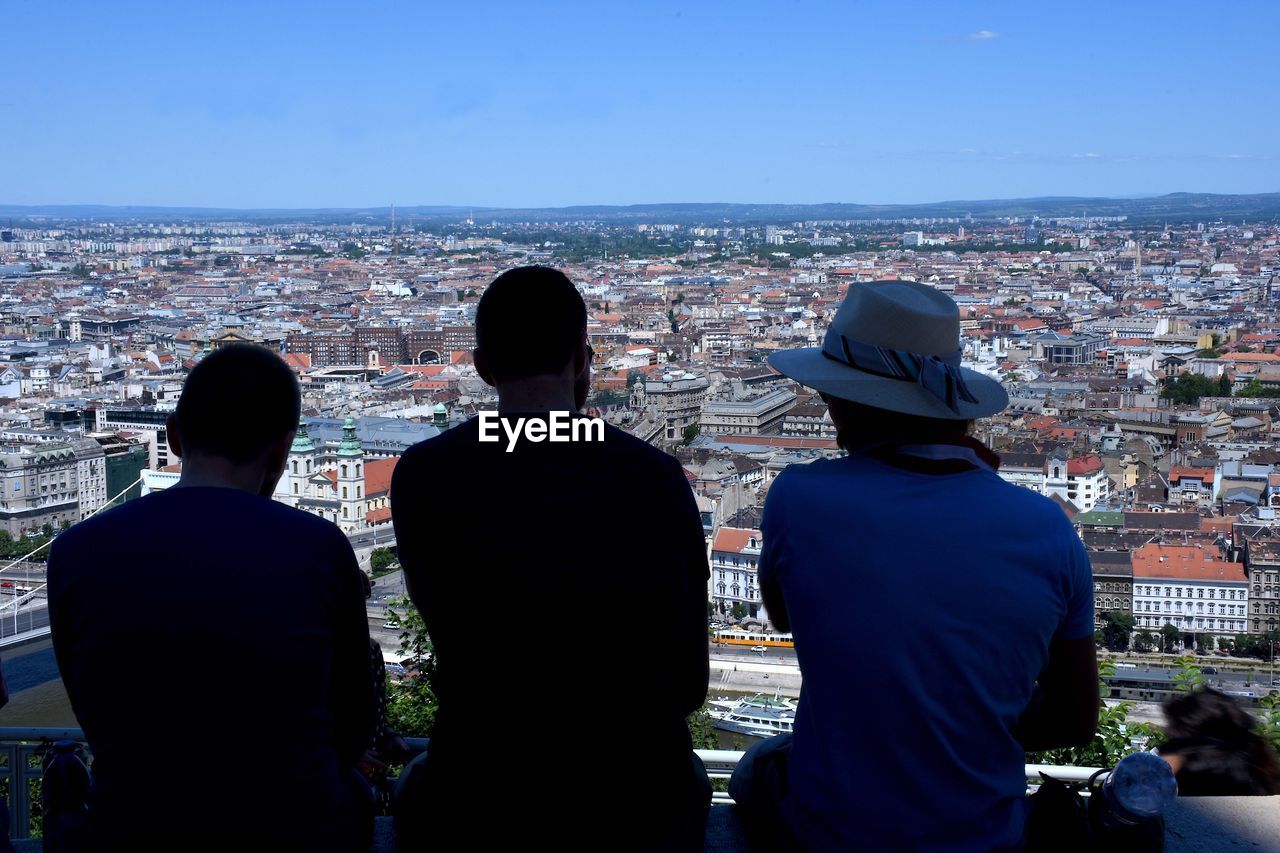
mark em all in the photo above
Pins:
pixel 1173 207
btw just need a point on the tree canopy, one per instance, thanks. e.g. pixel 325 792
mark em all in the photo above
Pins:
pixel 1188 388
pixel 1116 628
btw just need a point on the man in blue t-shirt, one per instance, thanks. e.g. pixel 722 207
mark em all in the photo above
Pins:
pixel 943 618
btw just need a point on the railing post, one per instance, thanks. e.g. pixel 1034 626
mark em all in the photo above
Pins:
pixel 19 791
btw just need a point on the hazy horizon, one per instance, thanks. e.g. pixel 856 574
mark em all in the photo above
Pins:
pixel 385 205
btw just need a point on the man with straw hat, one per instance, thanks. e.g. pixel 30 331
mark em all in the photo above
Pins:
pixel 943 618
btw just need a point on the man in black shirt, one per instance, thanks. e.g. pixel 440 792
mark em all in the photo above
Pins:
pixel 214 642
pixel 564 585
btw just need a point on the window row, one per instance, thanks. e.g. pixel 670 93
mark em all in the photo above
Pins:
pixel 1189 622
pixel 1176 592
pixel 1181 606
pixel 735 591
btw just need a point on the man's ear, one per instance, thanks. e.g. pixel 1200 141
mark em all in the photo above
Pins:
pixel 482 368
pixel 581 360
pixel 173 436
pixel 280 450
pixel 277 462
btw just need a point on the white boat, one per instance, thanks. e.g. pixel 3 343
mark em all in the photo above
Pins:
pixel 757 716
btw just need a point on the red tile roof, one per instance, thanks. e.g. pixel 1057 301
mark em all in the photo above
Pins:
pixel 1082 466
pixel 734 539
pixel 1184 562
pixel 377 476
pixel 1179 472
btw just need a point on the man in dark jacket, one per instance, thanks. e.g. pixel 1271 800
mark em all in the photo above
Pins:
pixel 214 642
pixel 513 549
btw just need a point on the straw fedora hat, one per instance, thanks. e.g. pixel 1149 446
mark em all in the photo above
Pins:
pixel 896 345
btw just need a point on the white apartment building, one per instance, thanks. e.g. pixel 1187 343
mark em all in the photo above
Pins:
pixel 735 560
pixel 1189 587
pixel 1082 480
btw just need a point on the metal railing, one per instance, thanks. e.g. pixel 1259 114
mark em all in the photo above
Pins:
pixel 22 771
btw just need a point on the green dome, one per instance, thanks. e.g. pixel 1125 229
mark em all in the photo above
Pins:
pixel 350 445
pixel 302 439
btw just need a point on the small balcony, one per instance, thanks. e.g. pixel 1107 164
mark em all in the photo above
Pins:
pixel 1202 824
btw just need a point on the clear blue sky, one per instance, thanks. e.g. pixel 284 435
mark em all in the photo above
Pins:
pixel 282 104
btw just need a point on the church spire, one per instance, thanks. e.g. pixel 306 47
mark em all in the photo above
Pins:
pixel 302 439
pixel 350 445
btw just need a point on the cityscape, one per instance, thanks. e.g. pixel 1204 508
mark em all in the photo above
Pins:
pixel 936 351
pixel 1140 359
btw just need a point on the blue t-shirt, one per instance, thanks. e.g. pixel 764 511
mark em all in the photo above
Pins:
pixel 923 606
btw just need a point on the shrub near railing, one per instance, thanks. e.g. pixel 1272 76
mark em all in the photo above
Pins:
pixel 1113 740
pixel 411 701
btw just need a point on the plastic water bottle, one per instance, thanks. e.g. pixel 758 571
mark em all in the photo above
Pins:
pixel 1126 812
pixel 64 796
pixel 1141 787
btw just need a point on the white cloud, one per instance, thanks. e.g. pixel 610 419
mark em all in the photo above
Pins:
pixel 982 35
pixel 1091 155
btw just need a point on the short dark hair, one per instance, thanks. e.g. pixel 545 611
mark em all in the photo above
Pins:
pixel 528 322
pixel 1223 750
pixel 236 402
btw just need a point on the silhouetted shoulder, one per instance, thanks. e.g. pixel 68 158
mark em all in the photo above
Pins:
pixel 617 444
pixel 987 488
pixel 206 512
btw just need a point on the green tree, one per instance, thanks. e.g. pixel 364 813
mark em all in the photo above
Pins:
pixel 411 701
pixel 1188 677
pixel 1188 388
pixel 1170 635
pixel 381 560
pixel 610 398
pixel 1224 386
pixel 1205 645
pixel 702 729
pixel 738 611
pixel 1271 718
pixel 1144 641
pixel 1116 629
pixel 1253 388
pixel 690 433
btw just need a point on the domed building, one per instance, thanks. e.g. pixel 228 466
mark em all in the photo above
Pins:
pixel 338 484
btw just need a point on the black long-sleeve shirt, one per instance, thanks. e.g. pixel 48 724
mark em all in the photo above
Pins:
pixel 564 586
pixel 216 652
